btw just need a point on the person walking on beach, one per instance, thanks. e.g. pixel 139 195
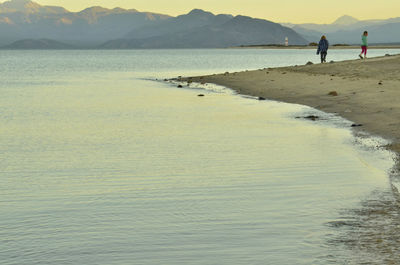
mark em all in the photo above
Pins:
pixel 364 45
pixel 323 46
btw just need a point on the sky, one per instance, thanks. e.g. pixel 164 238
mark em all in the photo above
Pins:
pixel 295 11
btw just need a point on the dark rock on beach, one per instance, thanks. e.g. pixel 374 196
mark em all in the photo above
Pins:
pixel 312 117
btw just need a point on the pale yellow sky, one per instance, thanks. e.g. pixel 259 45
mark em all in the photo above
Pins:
pixel 297 11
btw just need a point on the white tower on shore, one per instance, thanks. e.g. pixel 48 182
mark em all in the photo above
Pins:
pixel 286 41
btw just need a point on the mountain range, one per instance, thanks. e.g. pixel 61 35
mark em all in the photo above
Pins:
pixel 347 29
pixel 27 25
pixel 24 23
pixel 201 29
pixel 24 19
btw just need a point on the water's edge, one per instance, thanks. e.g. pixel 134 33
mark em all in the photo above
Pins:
pixel 377 217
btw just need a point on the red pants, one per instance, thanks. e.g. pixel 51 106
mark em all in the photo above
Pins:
pixel 364 50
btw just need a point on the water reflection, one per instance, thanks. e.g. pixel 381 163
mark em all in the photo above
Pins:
pixel 371 232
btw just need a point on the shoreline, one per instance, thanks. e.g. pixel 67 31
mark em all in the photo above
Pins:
pixel 365 92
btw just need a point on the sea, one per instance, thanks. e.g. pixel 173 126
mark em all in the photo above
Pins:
pixel 104 161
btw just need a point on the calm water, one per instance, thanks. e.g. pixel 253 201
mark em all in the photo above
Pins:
pixel 100 164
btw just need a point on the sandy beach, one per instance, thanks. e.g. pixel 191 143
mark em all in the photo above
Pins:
pixel 308 47
pixel 365 92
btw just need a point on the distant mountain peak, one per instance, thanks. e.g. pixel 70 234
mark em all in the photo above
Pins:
pixel 19 2
pixel 95 9
pixel 243 18
pixel 345 20
pixel 247 19
pixel 20 6
pixel 197 12
pixel 29 7
pixel 105 11
pixel 121 10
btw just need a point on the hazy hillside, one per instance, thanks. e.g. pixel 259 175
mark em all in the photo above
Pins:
pixel 348 30
pixel 29 7
pixel 206 30
pixel 309 34
pixel 386 33
pixel 120 28
pixel 345 21
pixel 195 19
pixel 38 44
pixel 24 19
pixel 26 24
pixel 342 23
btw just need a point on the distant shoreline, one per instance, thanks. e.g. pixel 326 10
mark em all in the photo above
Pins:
pixel 62 46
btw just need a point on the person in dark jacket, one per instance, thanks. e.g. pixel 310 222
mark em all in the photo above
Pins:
pixel 323 48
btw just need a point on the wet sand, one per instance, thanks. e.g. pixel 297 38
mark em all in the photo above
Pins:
pixel 366 92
